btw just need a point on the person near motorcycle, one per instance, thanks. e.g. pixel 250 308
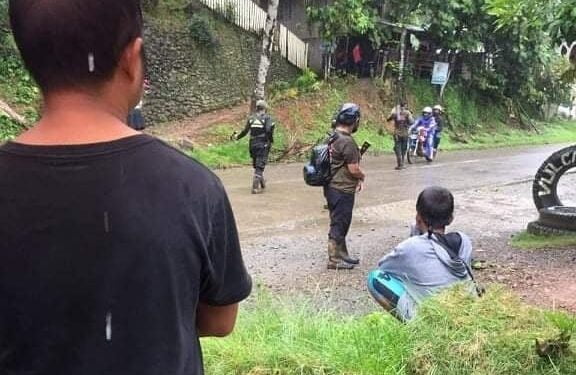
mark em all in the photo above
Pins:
pixel 427 122
pixel 403 119
pixel 347 179
pixel 438 112
pixel 261 128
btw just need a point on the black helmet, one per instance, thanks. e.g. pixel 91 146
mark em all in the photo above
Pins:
pixel 349 114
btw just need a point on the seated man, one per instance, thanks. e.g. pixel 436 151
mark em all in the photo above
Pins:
pixel 426 263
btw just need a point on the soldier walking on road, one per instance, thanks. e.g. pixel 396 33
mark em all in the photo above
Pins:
pixel 261 128
pixel 403 119
pixel 347 179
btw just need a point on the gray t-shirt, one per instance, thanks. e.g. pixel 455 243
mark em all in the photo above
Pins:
pixel 426 268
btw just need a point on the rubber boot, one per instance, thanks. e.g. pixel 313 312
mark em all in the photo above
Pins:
pixel 256 185
pixel 262 182
pixel 334 260
pixel 400 164
pixel 343 252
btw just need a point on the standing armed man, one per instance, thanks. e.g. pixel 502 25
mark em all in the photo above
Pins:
pixel 118 252
pixel 347 179
pixel 261 128
pixel 403 119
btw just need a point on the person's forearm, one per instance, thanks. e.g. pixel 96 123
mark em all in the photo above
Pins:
pixel 215 321
pixel 358 175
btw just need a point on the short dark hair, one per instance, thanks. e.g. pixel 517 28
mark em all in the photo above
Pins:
pixel 74 43
pixel 436 207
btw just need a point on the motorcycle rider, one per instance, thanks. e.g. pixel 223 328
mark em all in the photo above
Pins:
pixel 261 128
pixel 347 180
pixel 403 119
pixel 427 122
pixel 438 111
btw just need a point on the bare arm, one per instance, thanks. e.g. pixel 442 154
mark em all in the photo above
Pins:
pixel 355 171
pixel 216 321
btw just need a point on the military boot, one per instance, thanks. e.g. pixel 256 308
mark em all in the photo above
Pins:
pixel 343 252
pixel 399 163
pixel 256 185
pixel 334 260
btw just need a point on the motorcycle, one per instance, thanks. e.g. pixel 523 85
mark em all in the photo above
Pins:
pixel 416 144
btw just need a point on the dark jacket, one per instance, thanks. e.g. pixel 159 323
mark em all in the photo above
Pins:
pixel 261 129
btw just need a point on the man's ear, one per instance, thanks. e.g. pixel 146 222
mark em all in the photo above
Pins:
pixel 420 223
pixel 132 60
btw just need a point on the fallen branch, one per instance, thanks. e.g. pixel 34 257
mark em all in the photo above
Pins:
pixel 10 113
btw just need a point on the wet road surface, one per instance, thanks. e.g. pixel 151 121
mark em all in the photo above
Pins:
pixel 283 231
pixel 289 204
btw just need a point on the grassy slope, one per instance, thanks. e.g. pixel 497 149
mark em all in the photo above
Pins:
pixel 454 334
pixel 305 120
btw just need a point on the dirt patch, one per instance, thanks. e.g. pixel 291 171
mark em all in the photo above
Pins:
pixel 295 262
pixel 297 116
pixel 195 130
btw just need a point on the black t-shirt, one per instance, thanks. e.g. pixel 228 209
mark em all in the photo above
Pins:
pixel 105 252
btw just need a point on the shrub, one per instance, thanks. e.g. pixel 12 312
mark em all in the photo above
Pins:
pixel 202 32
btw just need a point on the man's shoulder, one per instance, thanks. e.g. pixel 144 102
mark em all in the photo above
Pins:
pixel 343 139
pixel 184 165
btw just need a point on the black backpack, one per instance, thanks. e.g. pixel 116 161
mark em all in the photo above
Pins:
pixel 317 172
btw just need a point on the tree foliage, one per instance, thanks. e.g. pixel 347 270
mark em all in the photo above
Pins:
pixel 4 27
pixel 345 17
pixel 509 45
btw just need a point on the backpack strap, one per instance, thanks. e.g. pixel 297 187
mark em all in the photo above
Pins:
pixel 455 256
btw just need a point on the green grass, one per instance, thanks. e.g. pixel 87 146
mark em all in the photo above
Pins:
pixel 525 240
pixel 502 136
pixel 454 334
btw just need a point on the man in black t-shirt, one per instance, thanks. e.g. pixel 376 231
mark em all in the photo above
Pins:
pixel 118 252
pixel 261 128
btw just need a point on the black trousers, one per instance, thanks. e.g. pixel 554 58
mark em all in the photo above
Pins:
pixel 437 139
pixel 259 154
pixel 400 146
pixel 341 206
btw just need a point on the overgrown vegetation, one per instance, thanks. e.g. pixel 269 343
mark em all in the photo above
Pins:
pixel 454 334
pixel 304 111
pixel 202 31
pixel 17 89
pixel 527 241
pixel 509 45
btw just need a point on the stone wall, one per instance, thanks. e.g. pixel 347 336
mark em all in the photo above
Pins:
pixel 188 78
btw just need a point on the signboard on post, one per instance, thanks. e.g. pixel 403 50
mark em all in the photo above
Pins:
pixel 440 73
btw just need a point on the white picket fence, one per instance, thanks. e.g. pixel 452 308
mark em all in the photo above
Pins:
pixel 249 16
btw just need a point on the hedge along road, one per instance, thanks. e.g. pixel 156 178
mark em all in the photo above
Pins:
pixel 289 205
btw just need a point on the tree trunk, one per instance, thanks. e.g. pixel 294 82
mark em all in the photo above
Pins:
pixel 402 54
pixel 266 57
pixel 384 9
pixel 452 62
pixel 6 110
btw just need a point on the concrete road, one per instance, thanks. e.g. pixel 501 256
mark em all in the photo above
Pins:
pixel 289 204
